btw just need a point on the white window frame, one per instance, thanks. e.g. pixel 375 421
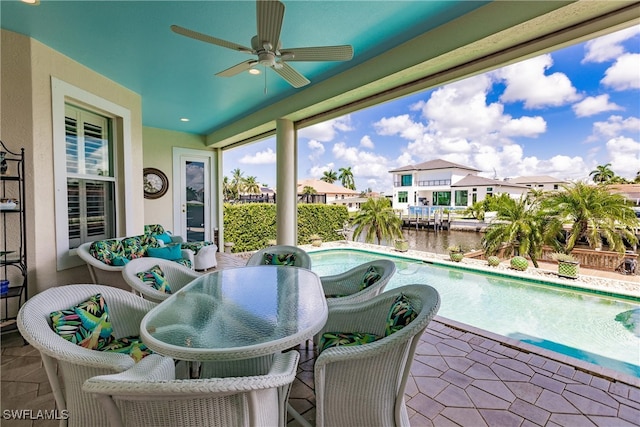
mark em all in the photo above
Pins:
pixel 62 93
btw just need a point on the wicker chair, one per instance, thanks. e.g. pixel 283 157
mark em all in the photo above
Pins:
pixel 148 395
pixel 349 283
pixel 365 384
pixel 177 277
pixel 302 258
pixel 77 363
pixel 111 275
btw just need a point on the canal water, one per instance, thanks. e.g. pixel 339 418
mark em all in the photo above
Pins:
pixel 438 241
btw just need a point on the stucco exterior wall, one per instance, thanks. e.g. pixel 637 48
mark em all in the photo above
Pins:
pixel 158 153
pixel 26 110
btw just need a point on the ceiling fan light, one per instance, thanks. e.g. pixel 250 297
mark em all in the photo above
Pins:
pixel 254 71
pixel 32 2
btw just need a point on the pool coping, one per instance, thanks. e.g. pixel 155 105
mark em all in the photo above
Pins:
pixel 604 286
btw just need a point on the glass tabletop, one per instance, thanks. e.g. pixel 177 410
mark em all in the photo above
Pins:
pixel 238 313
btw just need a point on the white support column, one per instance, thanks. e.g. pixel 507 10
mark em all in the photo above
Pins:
pixel 219 199
pixel 286 183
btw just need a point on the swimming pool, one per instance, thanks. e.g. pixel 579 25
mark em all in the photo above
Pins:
pixel 579 324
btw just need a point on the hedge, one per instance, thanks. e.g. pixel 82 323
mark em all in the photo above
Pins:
pixel 250 226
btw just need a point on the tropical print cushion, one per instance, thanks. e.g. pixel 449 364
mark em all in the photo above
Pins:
pixel 149 241
pixel 153 229
pixel 106 250
pixel 279 259
pixel 184 261
pixel 133 247
pixel 87 324
pixel 195 246
pixel 154 277
pixel 336 339
pixel 370 277
pixel 400 314
pixel 133 346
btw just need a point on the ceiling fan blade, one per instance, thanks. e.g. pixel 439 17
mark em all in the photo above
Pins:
pixel 237 69
pixel 320 53
pixel 294 78
pixel 209 39
pixel 270 14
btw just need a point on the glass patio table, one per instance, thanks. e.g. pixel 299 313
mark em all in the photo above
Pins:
pixel 238 313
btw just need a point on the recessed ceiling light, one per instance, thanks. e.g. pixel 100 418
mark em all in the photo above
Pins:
pixel 32 2
pixel 254 71
pixel 184 119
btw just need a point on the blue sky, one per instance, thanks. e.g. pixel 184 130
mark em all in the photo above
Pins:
pixel 558 114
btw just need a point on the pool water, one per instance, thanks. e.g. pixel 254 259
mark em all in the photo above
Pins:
pixel 575 323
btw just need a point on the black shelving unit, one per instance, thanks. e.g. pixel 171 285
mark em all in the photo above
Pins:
pixel 13 245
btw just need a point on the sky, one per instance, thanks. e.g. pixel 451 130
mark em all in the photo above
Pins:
pixel 559 114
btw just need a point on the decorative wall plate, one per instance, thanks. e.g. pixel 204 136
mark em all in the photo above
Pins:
pixel 156 183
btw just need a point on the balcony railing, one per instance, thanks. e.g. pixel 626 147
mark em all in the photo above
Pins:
pixel 427 183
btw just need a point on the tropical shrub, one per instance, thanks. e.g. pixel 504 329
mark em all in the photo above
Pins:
pixel 251 226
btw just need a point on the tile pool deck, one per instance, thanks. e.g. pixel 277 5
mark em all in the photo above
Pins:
pixel 461 376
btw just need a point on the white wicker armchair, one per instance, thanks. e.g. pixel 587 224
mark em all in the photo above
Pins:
pixel 349 283
pixel 364 384
pixel 302 257
pixel 77 363
pixel 111 275
pixel 148 395
pixel 177 277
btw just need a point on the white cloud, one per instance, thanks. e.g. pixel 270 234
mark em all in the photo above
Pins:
pixel 317 171
pixel 526 81
pixel 525 126
pixel 607 48
pixel 327 131
pixel 317 149
pixel 260 158
pixel 592 105
pixel 401 125
pixel 623 74
pixel 624 155
pixel 616 126
pixel 366 142
pixel 365 165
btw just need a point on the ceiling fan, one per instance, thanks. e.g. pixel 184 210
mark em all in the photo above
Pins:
pixel 268 48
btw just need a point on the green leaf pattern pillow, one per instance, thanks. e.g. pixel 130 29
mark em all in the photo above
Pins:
pixel 280 259
pixel 154 277
pixel 106 250
pixel 370 277
pixel 345 339
pixel 400 314
pixel 133 346
pixel 87 324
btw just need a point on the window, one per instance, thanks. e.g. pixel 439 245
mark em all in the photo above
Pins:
pixel 489 191
pixel 555 186
pixel 93 160
pixel 403 196
pixel 90 177
pixel 461 197
pixel 405 180
pixel 442 198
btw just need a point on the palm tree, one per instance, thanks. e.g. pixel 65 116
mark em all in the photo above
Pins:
pixel 251 185
pixel 309 190
pixel 602 173
pixel 346 177
pixel 636 180
pixel 237 181
pixel 520 226
pixel 592 213
pixel 329 176
pixel 377 218
pixel 227 190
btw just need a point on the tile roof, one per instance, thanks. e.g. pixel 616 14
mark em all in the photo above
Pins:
pixel 433 165
pixel 324 187
pixel 538 179
pixel 471 180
